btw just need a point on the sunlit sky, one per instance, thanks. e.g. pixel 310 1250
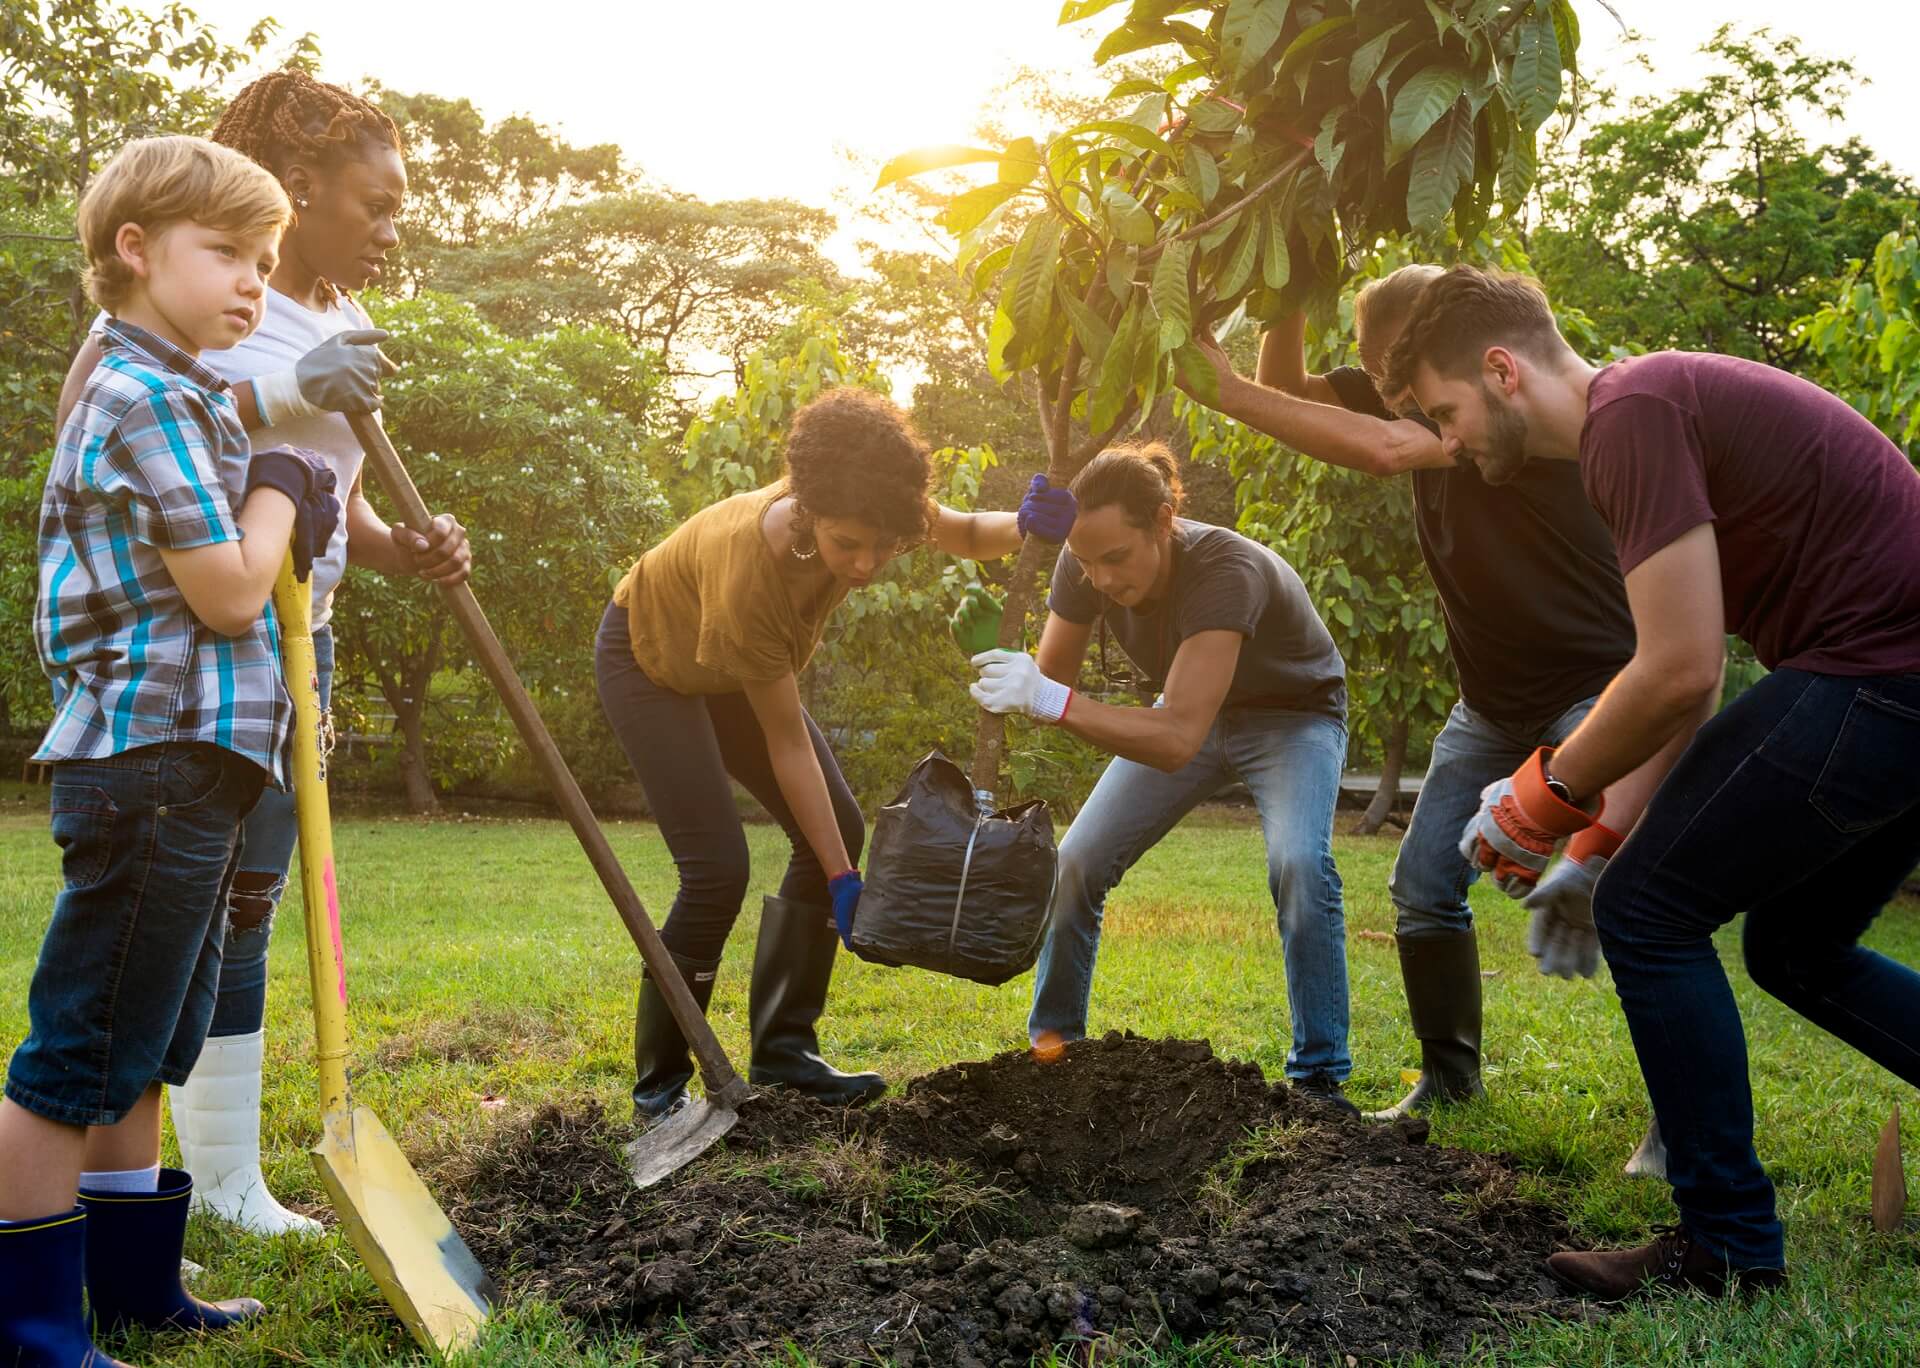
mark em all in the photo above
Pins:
pixel 738 98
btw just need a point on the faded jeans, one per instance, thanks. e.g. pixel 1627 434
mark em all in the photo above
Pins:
pixel 1430 876
pixel 1291 762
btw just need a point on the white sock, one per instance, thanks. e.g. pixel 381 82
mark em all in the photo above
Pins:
pixel 122 1180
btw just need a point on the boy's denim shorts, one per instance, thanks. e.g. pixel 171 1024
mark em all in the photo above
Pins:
pixel 149 840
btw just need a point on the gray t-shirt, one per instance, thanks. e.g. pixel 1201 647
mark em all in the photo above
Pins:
pixel 1222 581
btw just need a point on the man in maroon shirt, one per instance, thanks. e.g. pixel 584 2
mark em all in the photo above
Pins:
pixel 1740 499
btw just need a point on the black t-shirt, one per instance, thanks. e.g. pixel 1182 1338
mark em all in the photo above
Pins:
pixel 1222 581
pixel 1537 615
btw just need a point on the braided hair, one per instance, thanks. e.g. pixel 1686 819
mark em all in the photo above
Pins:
pixel 287 116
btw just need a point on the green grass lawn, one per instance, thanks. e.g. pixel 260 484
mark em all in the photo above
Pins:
pixel 488 974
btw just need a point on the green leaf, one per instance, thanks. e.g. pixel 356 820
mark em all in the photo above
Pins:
pixel 1326 150
pixel 1276 265
pixel 1201 380
pixel 1536 71
pixel 1249 31
pixel 1241 257
pixel 990 267
pixel 1116 371
pixel 1130 222
pixel 1028 297
pixel 1422 100
pixel 1183 75
pixel 1171 299
pixel 1309 39
pixel 1140 137
pixel 1120 268
pixel 1566 33
pixel 1203 174
pixel 1442 163
pixel 1518 169
pixel 1133 38
pixel 1092 330
pixel 965 212
pixel 1137 86
pixel 998 336
pixel 1213 115
pixel 924 159
pixel 1073 11
pixel 1365 62
pixel 1020 163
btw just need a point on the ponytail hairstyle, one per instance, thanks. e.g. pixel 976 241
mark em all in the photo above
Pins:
pixel 286 117
pixel 1140 477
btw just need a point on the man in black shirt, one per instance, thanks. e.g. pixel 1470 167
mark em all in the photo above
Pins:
pixel 1537 623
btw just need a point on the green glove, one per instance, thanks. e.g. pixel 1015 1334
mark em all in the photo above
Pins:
pixel 975 624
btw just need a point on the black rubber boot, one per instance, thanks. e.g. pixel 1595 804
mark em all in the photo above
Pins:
pixel 662 1068
pixel 792 965
pixel 1442 977
pixel 134 1241
pixel 43 1321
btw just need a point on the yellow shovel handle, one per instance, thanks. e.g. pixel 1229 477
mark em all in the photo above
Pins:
pixel 326 958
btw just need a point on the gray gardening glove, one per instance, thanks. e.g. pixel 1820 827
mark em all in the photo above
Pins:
pixel 1561 938
pixel 341 375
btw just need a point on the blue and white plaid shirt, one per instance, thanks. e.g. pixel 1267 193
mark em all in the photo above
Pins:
pixel 153 456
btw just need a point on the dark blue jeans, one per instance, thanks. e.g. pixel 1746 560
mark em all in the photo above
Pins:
pixel 684 748
pixel 149 840
pixel 1799 805
pixel 271 833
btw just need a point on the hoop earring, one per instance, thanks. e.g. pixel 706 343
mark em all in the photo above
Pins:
pixel 803 528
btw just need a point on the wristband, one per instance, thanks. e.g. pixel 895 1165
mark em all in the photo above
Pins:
pixel 1595 843
pixel 278 397
pixel 1050 700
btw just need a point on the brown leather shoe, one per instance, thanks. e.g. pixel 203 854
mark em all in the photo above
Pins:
pixel 1674 1260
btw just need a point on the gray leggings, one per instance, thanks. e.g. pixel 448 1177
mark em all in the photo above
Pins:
pixel 684 748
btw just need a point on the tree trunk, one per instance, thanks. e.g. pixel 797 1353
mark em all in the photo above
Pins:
pixel 409 708
pixel 1388 793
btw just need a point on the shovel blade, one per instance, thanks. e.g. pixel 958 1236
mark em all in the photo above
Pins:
pixel 677 1139
pixel 428 1274
pixel 1889 1179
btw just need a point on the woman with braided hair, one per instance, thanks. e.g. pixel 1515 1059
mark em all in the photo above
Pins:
pixel 314 357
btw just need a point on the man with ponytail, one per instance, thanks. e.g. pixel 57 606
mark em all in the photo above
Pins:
pixel 314 358
pixel 1537 623
pixel 1252 689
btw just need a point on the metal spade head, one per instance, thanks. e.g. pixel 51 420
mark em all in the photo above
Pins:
pixel 677 1139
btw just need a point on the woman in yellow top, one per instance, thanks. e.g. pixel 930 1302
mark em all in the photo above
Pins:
pixel 697 660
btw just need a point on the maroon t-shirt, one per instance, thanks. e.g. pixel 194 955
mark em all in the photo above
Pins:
pixel 1816 513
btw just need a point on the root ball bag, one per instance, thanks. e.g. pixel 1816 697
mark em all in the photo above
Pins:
pixel 952 889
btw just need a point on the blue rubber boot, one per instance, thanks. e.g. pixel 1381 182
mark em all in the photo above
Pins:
pixel 43 1323
pixel 134 1241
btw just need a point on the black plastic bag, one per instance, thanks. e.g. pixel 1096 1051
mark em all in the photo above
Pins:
pixel 951 889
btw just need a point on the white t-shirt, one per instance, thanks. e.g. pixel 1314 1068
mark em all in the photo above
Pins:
pixel 288 331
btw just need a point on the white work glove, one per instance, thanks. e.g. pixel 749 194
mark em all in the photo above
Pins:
pixel 1561 937
pixel 1011 682
pixel 341 375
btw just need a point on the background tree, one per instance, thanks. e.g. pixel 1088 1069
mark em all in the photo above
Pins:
pixel 1703 218
pixel 546 479
pixel 1868 338
pixel 1253 177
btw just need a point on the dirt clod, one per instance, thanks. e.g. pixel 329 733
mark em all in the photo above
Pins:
pixel 1129 1191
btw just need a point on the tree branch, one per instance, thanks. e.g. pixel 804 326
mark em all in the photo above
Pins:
pixel 1298 160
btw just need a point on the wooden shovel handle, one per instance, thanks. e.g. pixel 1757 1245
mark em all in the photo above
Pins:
pixel 724 1085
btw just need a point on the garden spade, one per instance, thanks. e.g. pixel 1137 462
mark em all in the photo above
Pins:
pixel 681 1136
pixel 421 1264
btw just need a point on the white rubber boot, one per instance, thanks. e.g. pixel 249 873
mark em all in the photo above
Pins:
pixel 217 1119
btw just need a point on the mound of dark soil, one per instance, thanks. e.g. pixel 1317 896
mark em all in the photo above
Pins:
pixel 1131 1191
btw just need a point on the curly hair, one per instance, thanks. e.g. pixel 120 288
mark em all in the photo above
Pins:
pixel 287 116
pixel 1461 313
pixel 852 454
pixel 1141 477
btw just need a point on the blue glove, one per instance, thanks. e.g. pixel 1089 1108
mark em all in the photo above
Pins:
pixel 1046 512
pixel 845 891
pixel 307 480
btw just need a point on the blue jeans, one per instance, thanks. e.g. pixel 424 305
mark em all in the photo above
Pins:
pixel 271 833
pixel 1798 805
pixel 149 840
pixel 1430 877
pixel 1291 762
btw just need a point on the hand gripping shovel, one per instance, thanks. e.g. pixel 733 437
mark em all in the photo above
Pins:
pixel 682 1135
pixel 426 1271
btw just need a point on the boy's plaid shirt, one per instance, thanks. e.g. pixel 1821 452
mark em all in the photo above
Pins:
pixel 154 455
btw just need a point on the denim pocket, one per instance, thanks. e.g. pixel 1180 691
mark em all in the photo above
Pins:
pixel 1870 774
pixel 191 773
pixel 82 821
